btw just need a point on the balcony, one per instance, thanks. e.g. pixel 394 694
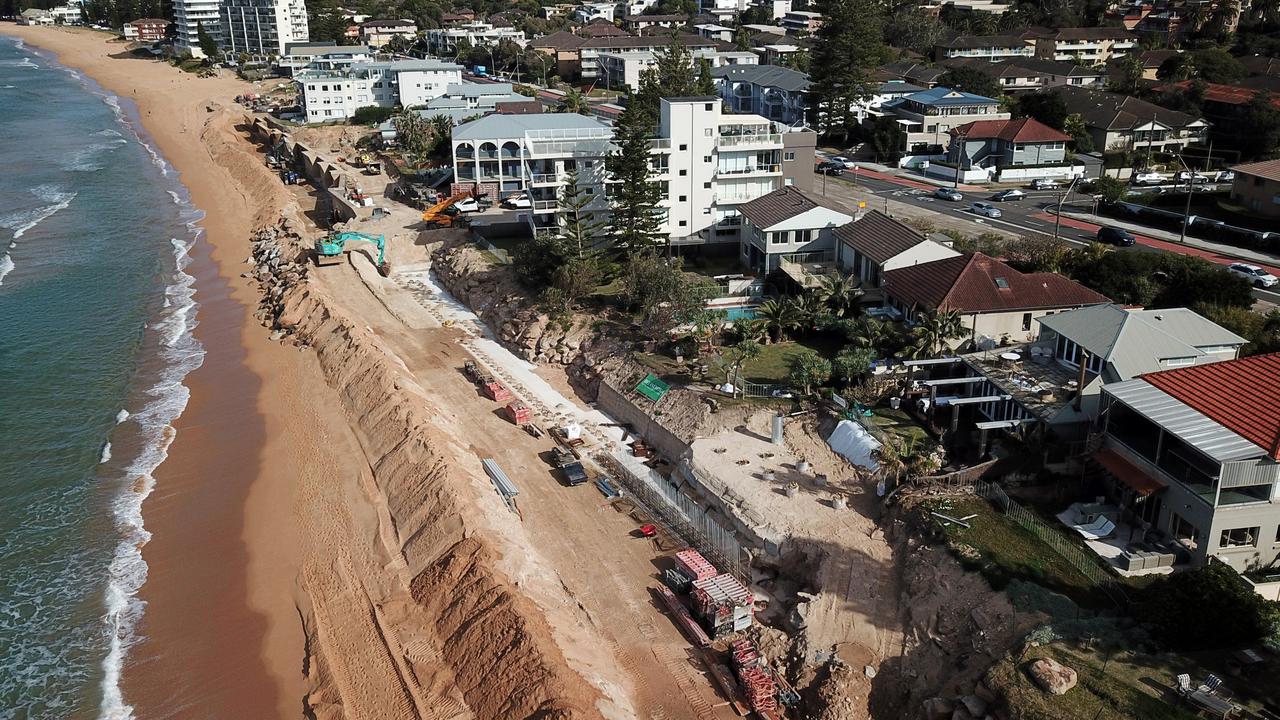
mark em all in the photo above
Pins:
pixel 750 170
pixel 543 178
pixel 545 205
pixel 749 141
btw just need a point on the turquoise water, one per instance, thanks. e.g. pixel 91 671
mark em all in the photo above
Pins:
pixel 736 313
pixel 95 338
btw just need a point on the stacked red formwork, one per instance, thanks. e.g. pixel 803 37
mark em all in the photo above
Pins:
pixel 724 603
pixel 694 566
pixel 690 626
pixel 754 676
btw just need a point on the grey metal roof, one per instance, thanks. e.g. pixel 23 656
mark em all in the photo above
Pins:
pixel 1186 423
pixel 1134 342
pixel 764 75
pixel 514 126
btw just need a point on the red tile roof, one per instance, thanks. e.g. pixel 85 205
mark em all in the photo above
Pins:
pixel 1241 395
pixel 1225 94
pixel 978 283
pixel 1026 130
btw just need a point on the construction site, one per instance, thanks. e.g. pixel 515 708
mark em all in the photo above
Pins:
pixel 656 556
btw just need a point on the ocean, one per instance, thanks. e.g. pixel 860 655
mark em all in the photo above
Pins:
pixel 96 320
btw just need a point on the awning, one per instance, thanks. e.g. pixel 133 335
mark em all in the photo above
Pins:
pixel 1126 472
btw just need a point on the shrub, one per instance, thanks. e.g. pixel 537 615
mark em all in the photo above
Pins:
pixel 1209 607
pixel 372 115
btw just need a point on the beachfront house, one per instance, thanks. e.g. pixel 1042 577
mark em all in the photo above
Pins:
pixel 876 243
pixel 330 95
pixel 790 230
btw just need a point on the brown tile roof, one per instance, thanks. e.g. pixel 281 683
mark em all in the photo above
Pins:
pixel 878 236
pixel 1267 169
pixel 644 41
pixel 975 42
pixel 1112 111
pixel 602 28
pixel 559 40
pixel 1025 130
pixel 780 205
pixel 1241 395
pixel 977 283
pixel 1092 33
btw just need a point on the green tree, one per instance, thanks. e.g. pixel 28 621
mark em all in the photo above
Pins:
pixel 574 102
pixel 737 355
pixel 372 115
pixel 935 328
pixel 1231 613
pixel 852 363
pixel 1216 65
pixel 742 38
pixel 841 294
pixel 915 28
pixel 1081 138
pixel 536 261
pixel 1125 74
pixel 971 80
pixel 886 138
pixel 753 329
pixel 1108 189
pixel 779 316
pixel 808 370
pixel 848 48
pixel 414 135
pixel 580 227
pixel 1257 131
pixel 1262 331
pixel 1177 68
pixel 208 45
pixel 634 196
pixel 672 75
pixel 706 83
pixel 1047 107
pixel 1161 280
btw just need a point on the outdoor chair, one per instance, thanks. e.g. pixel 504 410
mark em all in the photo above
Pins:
pixel 1096 530
pixel 1184 684
pixel 1213 684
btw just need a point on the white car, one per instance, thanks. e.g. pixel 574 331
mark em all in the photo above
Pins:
pixel 1149 178
pixel 518 202
pixel 1184 176
pixel 1226 176
pixel 845 161
pixel 1254 274
pixel 984 209
pixel 467 205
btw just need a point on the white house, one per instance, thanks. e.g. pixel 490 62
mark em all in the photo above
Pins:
pixel 68 14
pixel 788 227
pixel 376 33
pixel 444 41
pixel 321 56
pixel 35 16
pixel 262 27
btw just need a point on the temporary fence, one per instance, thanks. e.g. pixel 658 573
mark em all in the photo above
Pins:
pixel 683 515
pixel 1080 558
pixel 501 255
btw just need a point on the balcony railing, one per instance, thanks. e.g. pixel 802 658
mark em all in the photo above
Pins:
pixel 1249 474
pixel 543 178
pixel 751 170
pixel 545 204
pixel 745 140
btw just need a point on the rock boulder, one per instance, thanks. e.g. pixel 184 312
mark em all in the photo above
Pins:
pixel 1052 676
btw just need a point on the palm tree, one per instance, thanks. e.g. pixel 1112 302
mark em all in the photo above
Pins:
pixel 1265 11
pixel 779 317
pixel 875 334
pixel 808 308
pixel 891 459
pixel 840 293
pixel 936 327
pixel 754 329
pixel 737 355
pixel 574 102
pixel 1223 17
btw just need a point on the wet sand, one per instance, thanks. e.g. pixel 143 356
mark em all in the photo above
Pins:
pixel 222 634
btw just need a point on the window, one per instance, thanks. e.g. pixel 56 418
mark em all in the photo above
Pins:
pixel 1239 537
pixel 684 147
pixel 683 223
pixel 709 107
pixel 1179 362
pixel 684 198
pixel 788 156
pixel 706 186
pixel 706 158
pixel 683 173
pixel 707 132
pixel 1026 321
pixel 706 211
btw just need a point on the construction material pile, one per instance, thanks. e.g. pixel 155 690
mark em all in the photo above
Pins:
pixel 754 676
pixel 724 604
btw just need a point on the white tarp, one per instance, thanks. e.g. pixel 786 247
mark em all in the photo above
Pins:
pixel 853 442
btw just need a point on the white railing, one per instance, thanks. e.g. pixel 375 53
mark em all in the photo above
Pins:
pixel 543 178
pixel 750 170
pixel 545 204
pixel 1249 474
pixel 740 140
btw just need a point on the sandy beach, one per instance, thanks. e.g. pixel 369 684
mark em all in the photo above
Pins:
pixel 221 627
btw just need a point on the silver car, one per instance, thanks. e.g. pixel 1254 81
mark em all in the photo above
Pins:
pixel 1254 274
pixel 948 194
pixel 984 209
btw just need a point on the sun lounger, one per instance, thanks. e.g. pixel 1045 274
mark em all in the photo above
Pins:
pixel 1096 530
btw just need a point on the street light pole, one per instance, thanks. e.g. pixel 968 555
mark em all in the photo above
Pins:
pixel 1062 197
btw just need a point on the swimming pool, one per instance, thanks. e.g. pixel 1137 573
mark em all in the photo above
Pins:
pixel 740 312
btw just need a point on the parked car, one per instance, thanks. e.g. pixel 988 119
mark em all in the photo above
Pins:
pixel 1044 184
pixel 1116 236
pixel 516 202
pixel 1006 195
pixel 467 205
pixel 984 209
pixel 948 194
pixel 844 162
pixel 1254 274
pixel 1149 178
pixel 1226 176
pixel 1183 176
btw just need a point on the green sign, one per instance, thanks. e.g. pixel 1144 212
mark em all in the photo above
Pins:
pixel 653 388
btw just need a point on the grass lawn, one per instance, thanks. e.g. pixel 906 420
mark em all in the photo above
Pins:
pixel 1131 686
pixel 1008 551
pixel 771 366
pixel 898 422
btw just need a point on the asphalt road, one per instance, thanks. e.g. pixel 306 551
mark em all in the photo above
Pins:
pixel 1029 215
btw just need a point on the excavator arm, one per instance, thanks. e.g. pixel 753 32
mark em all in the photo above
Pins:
pixel 334 243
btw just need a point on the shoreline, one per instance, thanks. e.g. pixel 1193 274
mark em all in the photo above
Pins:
pixel 219 628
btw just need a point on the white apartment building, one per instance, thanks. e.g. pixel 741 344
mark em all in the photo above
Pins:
pixel 710 163
pixel 68 14
pixel 801 21
pixel 334 95
pixel 262 27
pixel 376 33
pixel 188 17
pixel 621 69
pixel 505 155
pixel 299 56
pixel 444 41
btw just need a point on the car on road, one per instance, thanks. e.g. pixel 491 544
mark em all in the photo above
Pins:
pixel 985 209
pixel 1149 178
pixel 517 202
pixel 830 168
pixel 844 162
pixel 1226 176
pixel 1044 184
pixel 1006 195
pixel 1116 236
pixel 1184 176
pixel 1254 274
pixel 948 194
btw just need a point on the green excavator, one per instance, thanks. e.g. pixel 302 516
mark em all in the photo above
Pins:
pixel 333 244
